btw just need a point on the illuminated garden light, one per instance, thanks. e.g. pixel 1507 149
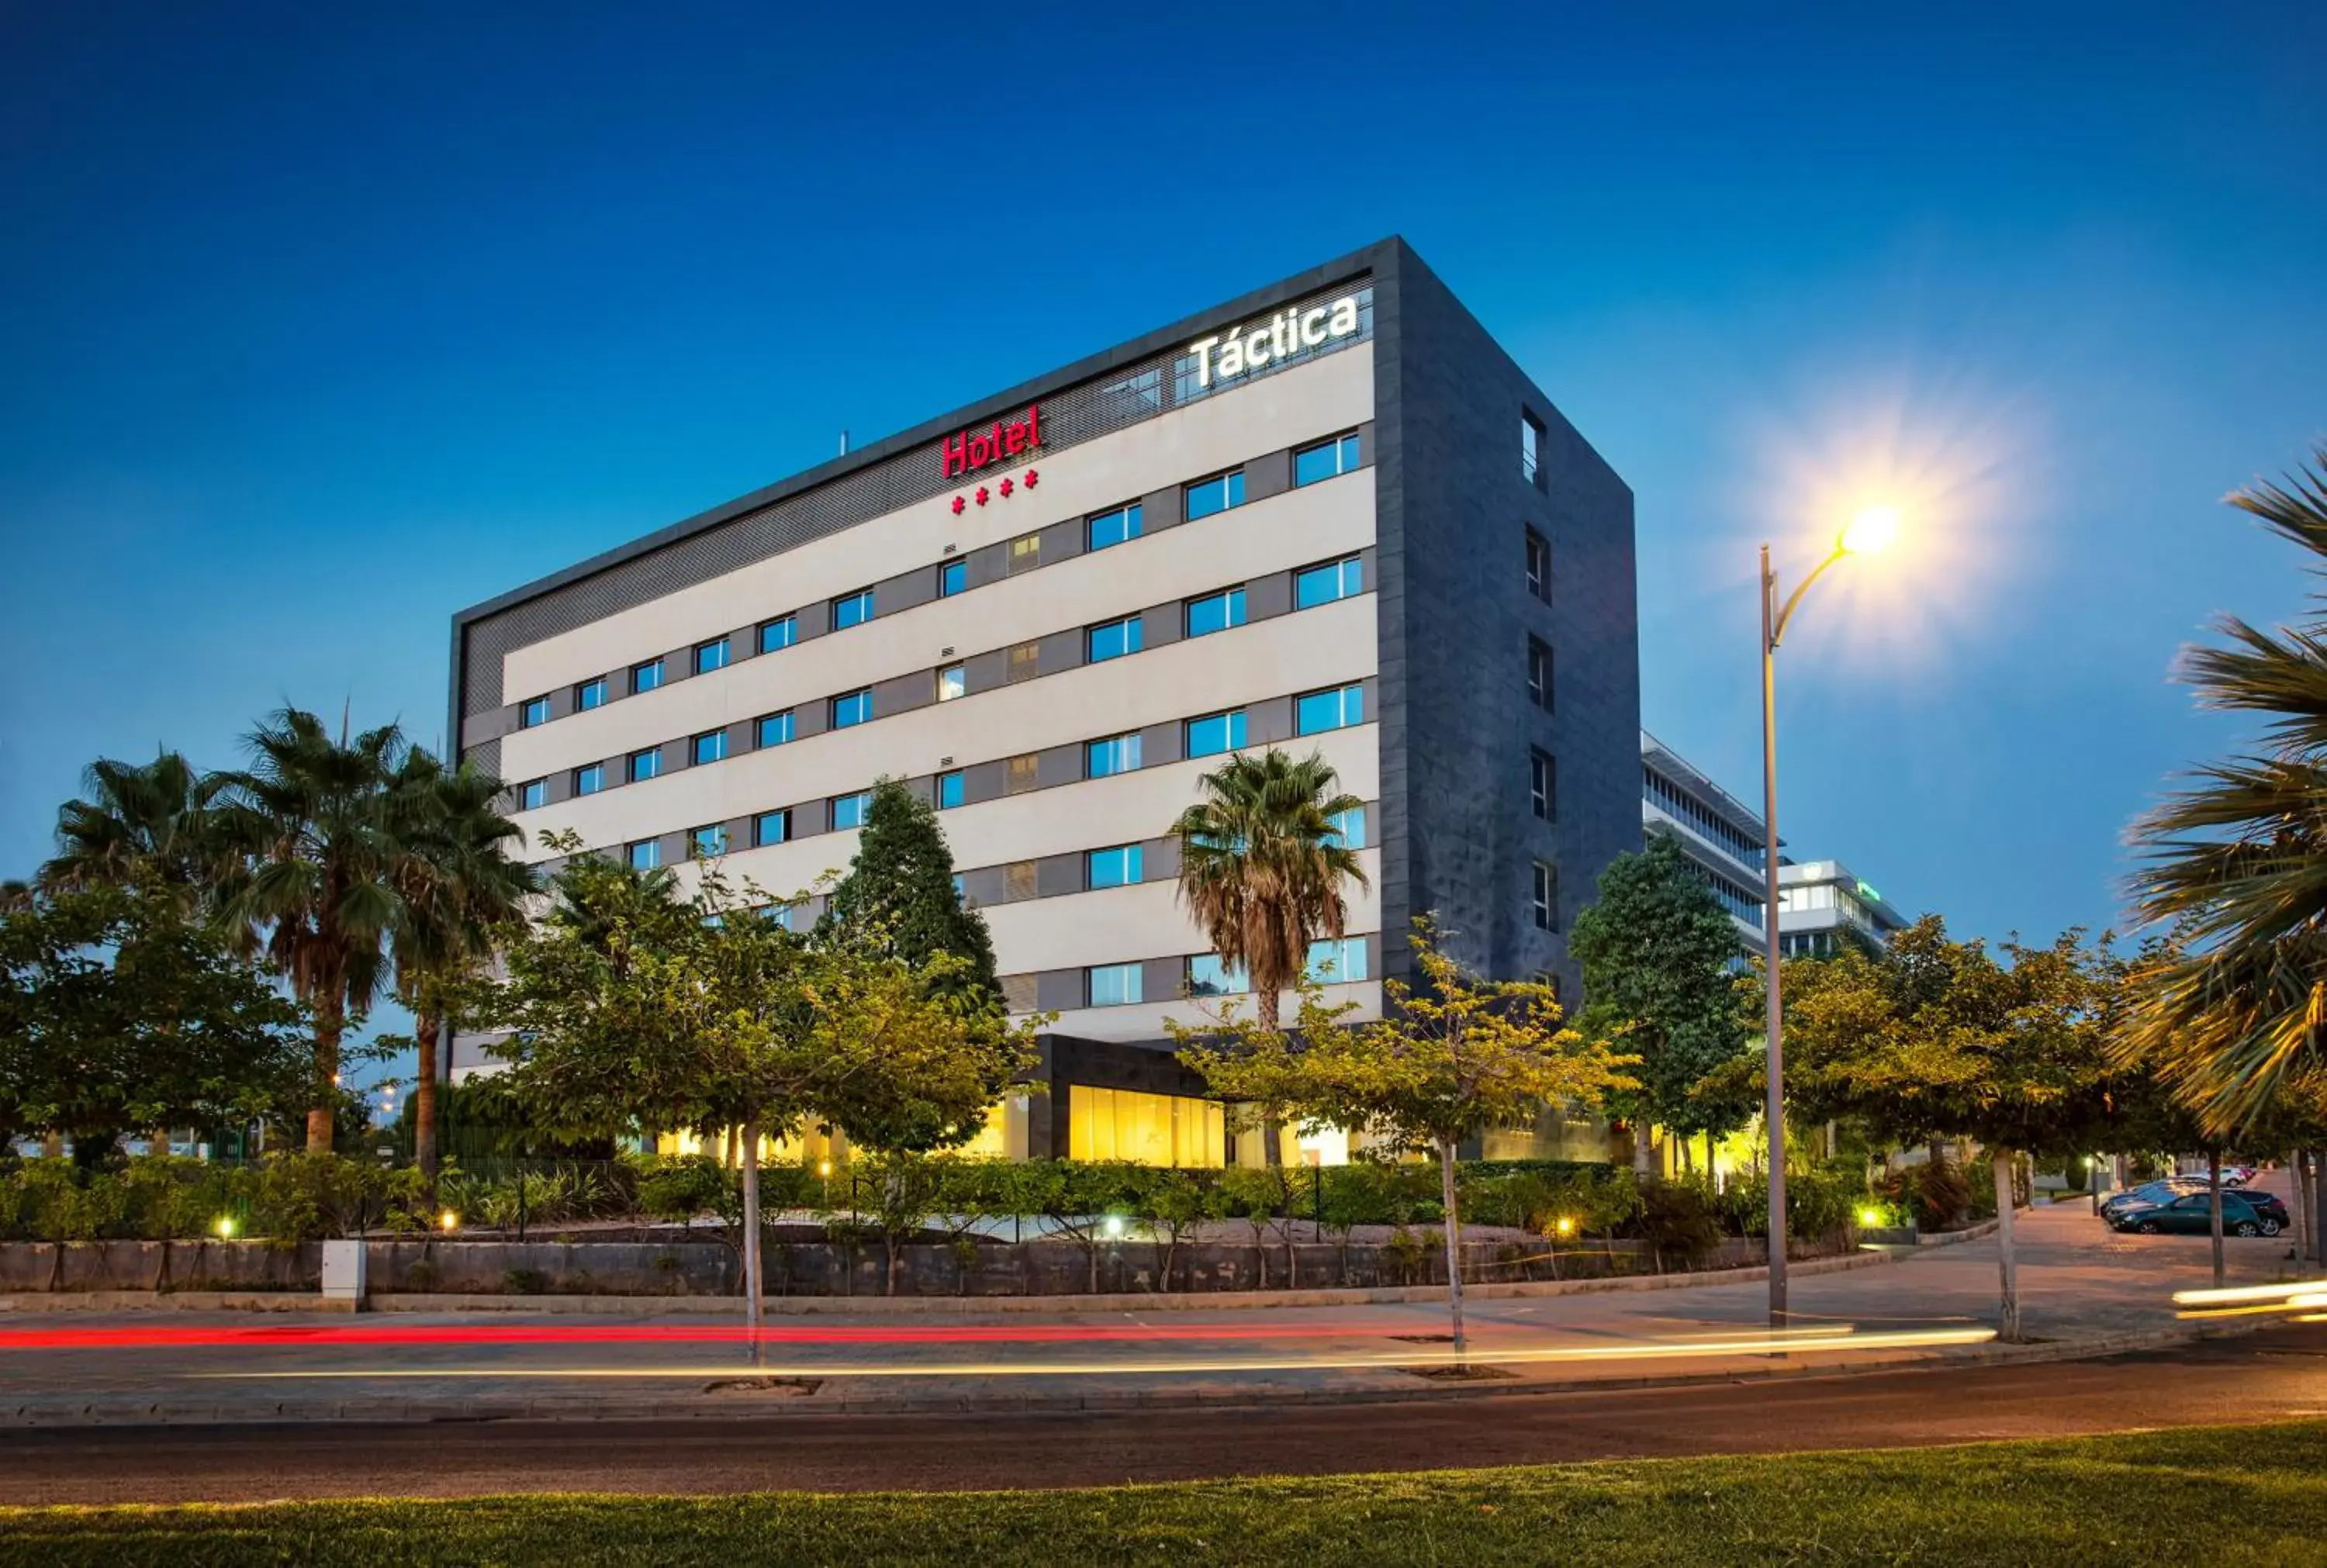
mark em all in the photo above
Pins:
pixel 1565 1226
pixel 225 1227
pixel 1114 1227
pixel 449 1220
pixel 1870 1218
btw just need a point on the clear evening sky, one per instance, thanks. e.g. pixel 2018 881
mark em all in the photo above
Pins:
pixel 320 322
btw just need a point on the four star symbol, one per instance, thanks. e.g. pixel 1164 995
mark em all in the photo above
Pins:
pixel 982 495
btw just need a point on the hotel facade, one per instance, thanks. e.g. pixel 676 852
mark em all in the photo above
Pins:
pixel 1331 515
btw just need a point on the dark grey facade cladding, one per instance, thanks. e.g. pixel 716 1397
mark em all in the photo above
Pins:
pixel 1458 838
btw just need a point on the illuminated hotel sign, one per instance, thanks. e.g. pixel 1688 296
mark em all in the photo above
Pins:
pixel 1284 333
pixel 968 452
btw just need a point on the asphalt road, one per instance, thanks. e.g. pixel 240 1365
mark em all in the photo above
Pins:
pixel 2276 1375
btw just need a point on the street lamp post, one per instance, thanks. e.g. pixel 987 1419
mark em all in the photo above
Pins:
pixel 1871 530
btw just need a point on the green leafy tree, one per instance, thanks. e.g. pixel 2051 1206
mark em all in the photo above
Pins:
pixel 1262 866
pixel 314 881
pixel 1451 1058
pixel 1940 1038
pixel 2235 863
pixel 1657 952
pixel 119 1013
pixel 899 894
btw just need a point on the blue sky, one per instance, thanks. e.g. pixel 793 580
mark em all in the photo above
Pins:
pixel 324 322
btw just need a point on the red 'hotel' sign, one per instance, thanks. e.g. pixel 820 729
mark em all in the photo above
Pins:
pixel 967 454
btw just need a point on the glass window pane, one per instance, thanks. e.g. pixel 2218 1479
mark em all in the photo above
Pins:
pixel 536 795
pixel 1113 527
pixel 776 729
pixel 771 827
pixel 647 854
pixel 1216 612
pixel 855 709
pixel 852 610
pixel 645 764
pixel 589 780
pixel 710 843
pixel 1349 827
pixel 1114 639
pixel 1324 585
pixel 710 747
pixel 952 683
pixel 777 634
pixel 952 578
pixel 949 791
pixel 591 693
pixel 848 811
pixel 536 712
pixel 1115 984
pixel 711 656
pixel 1207 977
pixel 1218 732
pixel 1119 754
pixel 645 677
pixel 1215 495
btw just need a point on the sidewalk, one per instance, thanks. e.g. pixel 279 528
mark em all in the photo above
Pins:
pixel 2084 1291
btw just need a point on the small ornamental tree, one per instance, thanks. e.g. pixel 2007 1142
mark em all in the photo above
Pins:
pixel 1656 951
pixel 120 1014
pixel 1938 1038
pixel 1451 1058
pixel 899 895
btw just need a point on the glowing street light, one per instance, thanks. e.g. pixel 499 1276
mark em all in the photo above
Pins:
pixel 1871 530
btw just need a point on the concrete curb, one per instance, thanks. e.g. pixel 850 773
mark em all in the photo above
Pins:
pixel 914 1306
pixel 77 1414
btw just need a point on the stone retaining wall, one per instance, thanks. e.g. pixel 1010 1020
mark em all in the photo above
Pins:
pixel 433 1266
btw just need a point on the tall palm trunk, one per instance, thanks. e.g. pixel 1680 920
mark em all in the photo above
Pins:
pixel 427 1030
pixel 1454 1246
pixel 331 1024
pixel 2007 1262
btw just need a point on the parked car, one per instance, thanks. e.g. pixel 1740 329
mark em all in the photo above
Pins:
pixel 2149 1195
pixel 2192 1214
pixel 2239 1175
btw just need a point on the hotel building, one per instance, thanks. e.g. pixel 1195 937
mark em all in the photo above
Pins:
pixel 1330 516
pixel 1722 836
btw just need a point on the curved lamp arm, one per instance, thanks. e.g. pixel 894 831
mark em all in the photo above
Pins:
pixel 1769 588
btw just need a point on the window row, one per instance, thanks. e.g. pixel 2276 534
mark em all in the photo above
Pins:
pixel 1199 499
pixel 1330 962
pixel 1109 640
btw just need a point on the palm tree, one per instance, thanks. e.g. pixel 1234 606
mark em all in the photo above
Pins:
pixel 315 883
pixel 2237 862
pixel 458 889
pixel 150 824
pixel 1261 866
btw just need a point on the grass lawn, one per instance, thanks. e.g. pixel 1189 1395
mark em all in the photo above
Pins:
pixel 2198 1496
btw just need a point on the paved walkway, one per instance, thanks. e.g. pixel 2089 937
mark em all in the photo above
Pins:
pixel 2082 1289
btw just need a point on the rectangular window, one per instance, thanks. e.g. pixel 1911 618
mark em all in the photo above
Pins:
pixel 1546 898
pixel 1025 552
pixel 1326 460
pixel 1025 662
pixel 1216 612
pixel 589 779
pixel 1018 881
pixel 770 827
pixel 777 634
pixel 1208 976
pixel 536 712
pixel 1531 450
pixel 1116 754
pixel 1022 773
pixel 711 747
pixel 645 677
pixel 952 683
pixel 950 790
pixel 1539 674
pixel 710 655
pixel 534 795
pixel 852 610
pixel 1538 566
pixel 1337 709
pixel 1215 734
pixel 848 811
pixel 1112 985
pixel 855 709
pixel 1113 868
pixel 952 578
pixel 646 854
pixel 1336 963
pixel 1112 640
pixel 589 694
pixel 1113 527
pixel 1216 494
pixel 1348 828
pixel 707 843
pixel 1324 585
pixel 776 730
pixel 1543 786
pixel 646 764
